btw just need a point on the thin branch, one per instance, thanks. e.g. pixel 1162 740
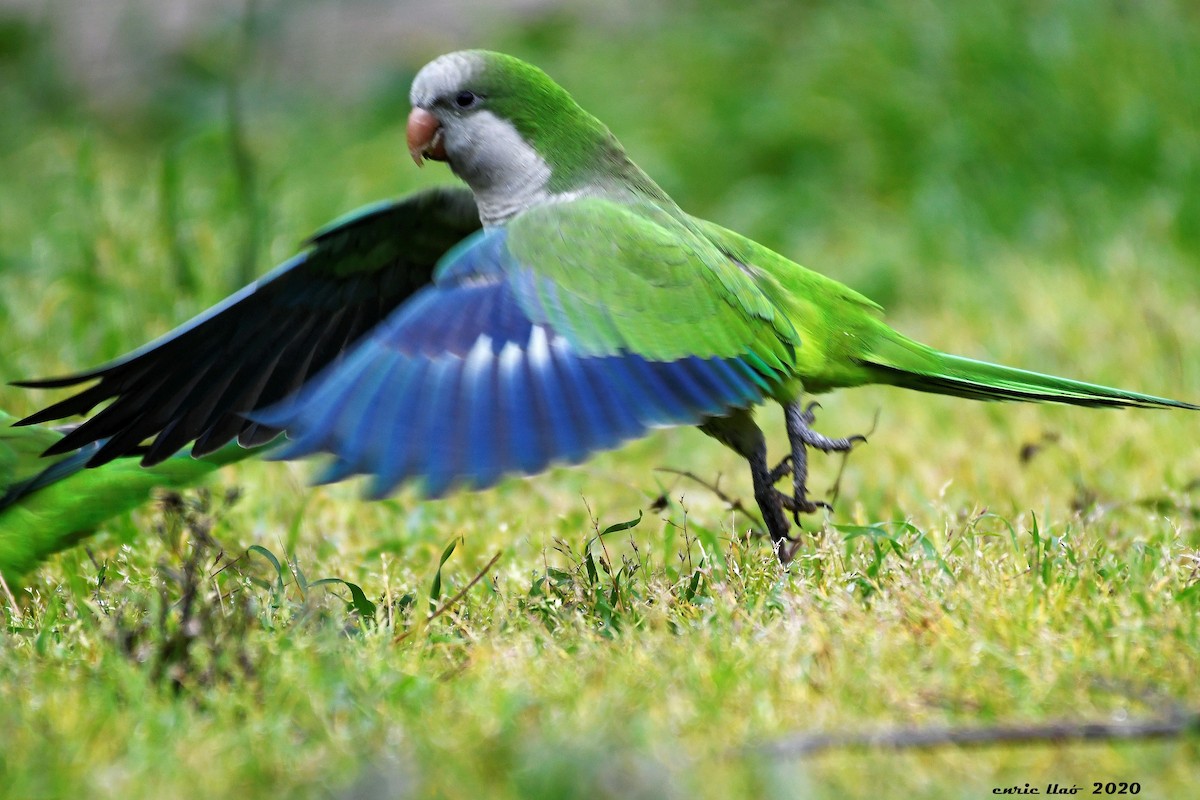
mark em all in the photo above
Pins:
pixel 449 603
pixel 734 503
pixel 803 745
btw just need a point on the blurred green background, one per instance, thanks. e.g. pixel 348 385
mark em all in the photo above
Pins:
pixel 1018 181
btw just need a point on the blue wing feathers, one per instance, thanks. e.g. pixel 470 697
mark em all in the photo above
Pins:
pixel 429 419
pixel 660 398
pixel 481 412
pixel 353 427
pixel 398 432
pixel 439 457
pixel 568 434
pixel 372 435
pixel 617 407
pixel 579 400
pixel 715 378
pixel 484 253
pixel 521 439
pixel 507 322
pixel 449 322
pixel 465 383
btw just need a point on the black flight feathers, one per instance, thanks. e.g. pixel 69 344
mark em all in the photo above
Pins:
pixel 264 342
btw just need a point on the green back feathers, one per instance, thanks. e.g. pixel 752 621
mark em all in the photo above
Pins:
pixel 645 283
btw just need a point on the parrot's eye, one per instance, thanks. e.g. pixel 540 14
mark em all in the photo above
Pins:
pixel 465 99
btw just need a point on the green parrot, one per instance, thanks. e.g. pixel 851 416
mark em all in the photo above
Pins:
pixel 49 504
pixel 561 306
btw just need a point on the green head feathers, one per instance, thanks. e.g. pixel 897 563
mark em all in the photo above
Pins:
pixel 575 146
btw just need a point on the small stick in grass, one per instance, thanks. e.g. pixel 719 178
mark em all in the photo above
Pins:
pixel 446 606
pixel 802 745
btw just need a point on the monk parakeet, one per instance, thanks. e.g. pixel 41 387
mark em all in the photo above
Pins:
pixel 48 504
pixel 559 306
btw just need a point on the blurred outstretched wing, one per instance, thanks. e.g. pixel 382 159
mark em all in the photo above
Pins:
pixel 532 346
pixel 266 341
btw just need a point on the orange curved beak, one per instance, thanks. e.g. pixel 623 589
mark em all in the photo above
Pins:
pixel 424 134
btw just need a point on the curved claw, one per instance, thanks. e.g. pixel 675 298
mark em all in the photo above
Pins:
pixel 817 505
pixel 802 506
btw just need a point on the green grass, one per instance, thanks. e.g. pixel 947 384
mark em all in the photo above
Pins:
pixel 1017 182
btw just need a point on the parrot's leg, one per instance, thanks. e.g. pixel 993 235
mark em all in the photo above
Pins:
pixel 738 431
pixel 801 436
pixel 771 502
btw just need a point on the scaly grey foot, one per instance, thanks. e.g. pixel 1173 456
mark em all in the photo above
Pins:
pixel 801 437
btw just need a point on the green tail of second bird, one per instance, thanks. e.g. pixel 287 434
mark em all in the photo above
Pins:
pixel 49 504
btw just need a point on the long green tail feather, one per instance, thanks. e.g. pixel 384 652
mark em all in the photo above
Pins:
pixel 902 362
pixel 49 504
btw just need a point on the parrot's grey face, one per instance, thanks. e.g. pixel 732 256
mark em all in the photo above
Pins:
pixel 451 121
